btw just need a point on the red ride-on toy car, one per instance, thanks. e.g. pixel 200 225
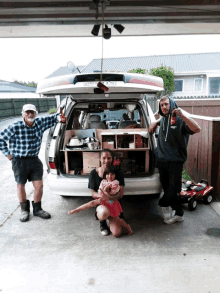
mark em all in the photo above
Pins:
pixel 194 192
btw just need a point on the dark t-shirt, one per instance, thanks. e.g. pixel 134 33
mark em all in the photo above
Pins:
pixel 95 180
pixel 172 141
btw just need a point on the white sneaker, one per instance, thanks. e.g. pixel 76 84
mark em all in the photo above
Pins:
pixel 174 219
pixel 168 213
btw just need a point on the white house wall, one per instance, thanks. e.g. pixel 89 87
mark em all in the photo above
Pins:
pixel 189 86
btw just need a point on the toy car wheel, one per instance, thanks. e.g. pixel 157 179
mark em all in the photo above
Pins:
pixel 192 204
pixel 207 199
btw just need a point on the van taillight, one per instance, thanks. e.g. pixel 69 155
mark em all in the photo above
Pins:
pixel 52 165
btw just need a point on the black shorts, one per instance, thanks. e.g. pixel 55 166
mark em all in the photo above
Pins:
pixel 28 168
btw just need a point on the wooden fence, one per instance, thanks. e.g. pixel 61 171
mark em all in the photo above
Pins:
pixel 13 107
pixel 204 106
pixel 204 153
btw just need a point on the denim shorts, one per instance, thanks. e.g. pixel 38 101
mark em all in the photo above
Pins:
pixel 27 168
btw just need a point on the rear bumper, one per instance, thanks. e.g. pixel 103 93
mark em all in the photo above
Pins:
pixel 78 186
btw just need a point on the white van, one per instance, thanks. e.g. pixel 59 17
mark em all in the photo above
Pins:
pixel 73 150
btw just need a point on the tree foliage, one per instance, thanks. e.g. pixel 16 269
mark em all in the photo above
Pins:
pixel 138 70
pixel 164 72
pixel 29 83
pixel 167 74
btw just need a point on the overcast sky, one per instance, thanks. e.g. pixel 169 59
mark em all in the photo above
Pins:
pixel 33 59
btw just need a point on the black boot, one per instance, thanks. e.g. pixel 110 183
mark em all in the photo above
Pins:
pixel 39 212
pixel 25 210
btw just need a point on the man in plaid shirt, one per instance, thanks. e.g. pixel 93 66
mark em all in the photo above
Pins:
pixel 25 139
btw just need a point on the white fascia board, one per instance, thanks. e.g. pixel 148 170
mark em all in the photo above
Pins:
pixel 206 72
pixel 214 74
pixel 209 99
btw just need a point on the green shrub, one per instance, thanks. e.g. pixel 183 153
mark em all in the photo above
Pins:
pixel 186 177
pixel 167 74
pixel 138 70
pixel 52 111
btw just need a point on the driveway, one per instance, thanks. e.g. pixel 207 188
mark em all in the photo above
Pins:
pixel 68 253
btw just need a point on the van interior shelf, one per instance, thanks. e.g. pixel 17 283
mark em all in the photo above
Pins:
pixel 130 151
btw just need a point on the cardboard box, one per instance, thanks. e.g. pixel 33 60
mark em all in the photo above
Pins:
pixel 91 160
pixel 108 145
pixel 120 154
pixel 138 141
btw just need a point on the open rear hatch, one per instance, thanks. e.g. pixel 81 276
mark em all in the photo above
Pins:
pixel 87 84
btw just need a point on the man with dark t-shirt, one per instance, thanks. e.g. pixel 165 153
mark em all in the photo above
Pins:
pixel 171 153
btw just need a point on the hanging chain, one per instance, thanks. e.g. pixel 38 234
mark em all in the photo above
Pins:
pixel 97 11
pixel 102 40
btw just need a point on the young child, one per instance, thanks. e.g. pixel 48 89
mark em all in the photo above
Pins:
pixel 108 187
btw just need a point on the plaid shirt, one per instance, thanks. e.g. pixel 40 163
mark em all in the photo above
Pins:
pixel 25 141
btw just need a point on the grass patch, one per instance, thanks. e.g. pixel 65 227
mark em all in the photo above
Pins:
pixel 53 111
pixel 186 177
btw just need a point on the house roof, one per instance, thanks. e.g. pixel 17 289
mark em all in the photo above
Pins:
pixel 6 86
pixel 64 71
pixel 180 63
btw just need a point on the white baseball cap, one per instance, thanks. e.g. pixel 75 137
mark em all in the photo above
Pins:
pixel 29 107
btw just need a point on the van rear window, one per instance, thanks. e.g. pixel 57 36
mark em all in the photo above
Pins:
pixel 96 77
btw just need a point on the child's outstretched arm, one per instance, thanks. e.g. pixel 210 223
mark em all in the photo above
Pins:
pixel 86 206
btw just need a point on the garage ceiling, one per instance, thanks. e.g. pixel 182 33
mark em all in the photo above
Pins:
pixel 76 18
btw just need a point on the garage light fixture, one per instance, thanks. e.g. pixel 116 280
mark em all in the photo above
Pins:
pixel 106 31
pixel 95 30
pixel 119 27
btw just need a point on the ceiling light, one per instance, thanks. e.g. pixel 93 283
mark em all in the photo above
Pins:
pixel 95 30
pixel 106 32
pixel 119 27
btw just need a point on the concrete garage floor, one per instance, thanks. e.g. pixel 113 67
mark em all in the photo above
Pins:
pixel 68 253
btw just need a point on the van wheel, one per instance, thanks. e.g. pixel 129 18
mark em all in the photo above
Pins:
pixel 208 198
pixel 192 204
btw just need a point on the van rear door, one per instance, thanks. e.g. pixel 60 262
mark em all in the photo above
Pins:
pixel 84 86
pixel 54 137
pixel 150 118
